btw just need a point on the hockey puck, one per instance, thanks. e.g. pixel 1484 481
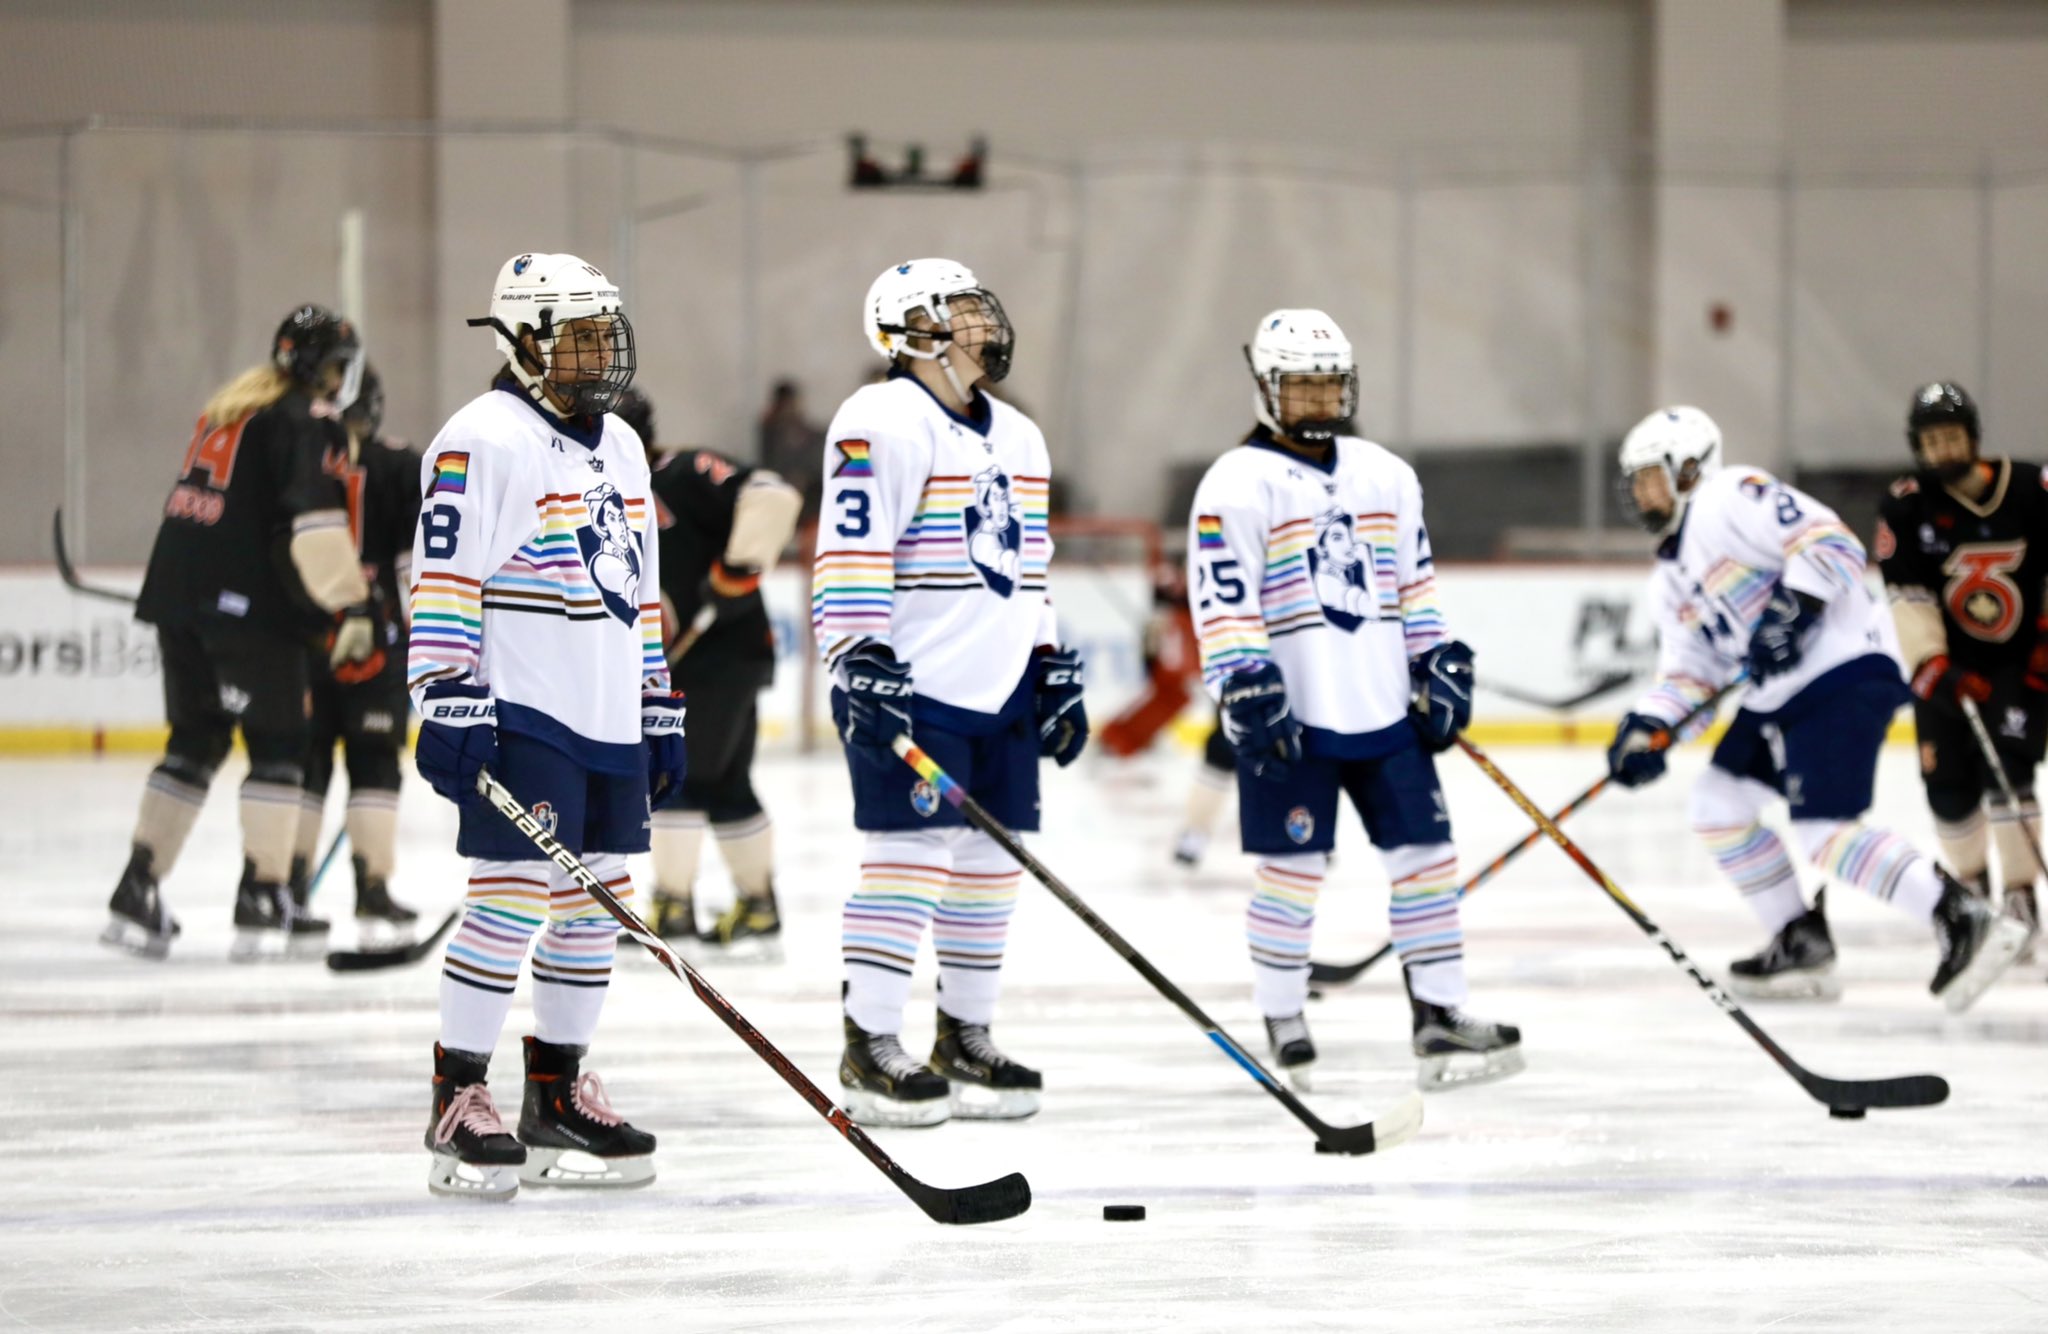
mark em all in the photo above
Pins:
pixel 1123 1213
pixel 1846 1113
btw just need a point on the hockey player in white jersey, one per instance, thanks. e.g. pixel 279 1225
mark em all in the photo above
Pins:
pixel 930 608
pixel 1314 599
pixel 536 650
pixel 1755 575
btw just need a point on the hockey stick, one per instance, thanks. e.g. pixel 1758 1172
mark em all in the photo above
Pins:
pixel 1329 973
pixel 1405 1118
pixel 1844 1097
pixel 1005 1197
pixel 70 575
pixel 1611 681
pixel 364 961
pixel 333 851
pixel 2005 788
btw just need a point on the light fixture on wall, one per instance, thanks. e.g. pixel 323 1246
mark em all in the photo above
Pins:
pixel 866 171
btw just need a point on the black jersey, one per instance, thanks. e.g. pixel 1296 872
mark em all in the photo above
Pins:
pixel 1983 561
pixel 223 548
pixel 697 490
pixel 383 488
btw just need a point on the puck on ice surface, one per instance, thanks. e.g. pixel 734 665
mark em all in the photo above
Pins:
pixel 1846 1113
pixel 1123 1213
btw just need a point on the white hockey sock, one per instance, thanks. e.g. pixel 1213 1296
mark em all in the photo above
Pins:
pixel 902 877
pixel 1874 860
pixel 1205 801
pixel 306 836
pixel 373 830
pixel 972 926
pixel 270 823
pixel 1277 926
pixel 572 961
pixel 748 847
pixel 507 903
pixel 170 805
pixel 1964 844
pixel 677 842
pixel 1725 811
pixel 1422 913
pixel 2018 861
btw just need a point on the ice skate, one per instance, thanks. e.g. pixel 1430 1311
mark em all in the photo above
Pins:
pixel 382 922
pixel 1798 964
pixel 1293 1050
pixel 1977 945
pixel 887 1086
pixel 1454 1049
pixel 2021 908
pixel 1189 847
pixel 138 920
pixel 269 925
pixel 475 1157
pixel 572 1135
pixel 750 931
pixel 674 918
pixel 982 1083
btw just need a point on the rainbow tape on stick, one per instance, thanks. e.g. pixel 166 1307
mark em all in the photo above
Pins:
pixel 929 770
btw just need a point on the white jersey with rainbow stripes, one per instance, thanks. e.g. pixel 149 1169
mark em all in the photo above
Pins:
pixel 535 574
pixel 1324 571
pixel 932 539
pixel 1744 532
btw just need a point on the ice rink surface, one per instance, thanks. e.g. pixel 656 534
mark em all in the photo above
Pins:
pixel 198 1145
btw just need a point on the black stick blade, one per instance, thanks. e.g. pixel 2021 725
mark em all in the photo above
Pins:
pixel 363 961
pixel 1343 972
pixel 1397 1126
pixel 1903 1091
pixel 990 1202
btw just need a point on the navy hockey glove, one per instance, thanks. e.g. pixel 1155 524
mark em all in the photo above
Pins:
pixel 1263 729
pixel 1637 755
pixel 1062 717
pixel 458 737
pixel 1778 644
pixel 1443 694
pixel 877 700
pixel 661 724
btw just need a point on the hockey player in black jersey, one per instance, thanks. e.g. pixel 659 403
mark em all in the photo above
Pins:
pixel 722 526
pixel 363 705
pixel 1963 544
pixel 253 557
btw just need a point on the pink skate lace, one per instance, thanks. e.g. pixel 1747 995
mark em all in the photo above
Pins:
pixel 591 1101
pixel 472 1109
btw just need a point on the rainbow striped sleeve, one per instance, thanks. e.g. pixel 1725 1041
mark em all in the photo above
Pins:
pixel 1827 547
pixel 1422 619
pixel 447 628
pixel 1230 626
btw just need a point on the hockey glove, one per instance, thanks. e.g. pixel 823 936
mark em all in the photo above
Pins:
pixel 661 724
pixel 1637 755
pixel 458 737
pixel 877 701
pixel 355 651
pixel 1779 640
pixel 1062 717
pixel 1264 731
pixel 1443 694
pixel 1943 684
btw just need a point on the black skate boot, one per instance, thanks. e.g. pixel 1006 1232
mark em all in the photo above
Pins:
pixel 2021 908
pixel 675 917
pixel 378 915
pixel 475 1157
pixel 566 1111
pixel 982 1083
pixel 1453 1048
pixel 887 1086
pixel 750 930
pixel 1976 944
pixel 1294 1051
pixel 1798 964
pixel 300 882
pixel 138 920
pixel 268 925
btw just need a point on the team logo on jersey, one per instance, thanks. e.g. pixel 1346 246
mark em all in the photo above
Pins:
pixel 1301 826
pixel 924 799
pixel 995 531
pixel 611 552
pixel 1340 568
pixel 544 816
pixel 854 462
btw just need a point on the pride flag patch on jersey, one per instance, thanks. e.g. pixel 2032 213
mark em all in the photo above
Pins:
pixel 853 460
pixel 1208 532
pixel 451 475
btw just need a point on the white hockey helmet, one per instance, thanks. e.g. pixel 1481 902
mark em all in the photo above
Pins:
pixel 1300 342
pixel 541 294
pixel 928 285
pixel 1682 441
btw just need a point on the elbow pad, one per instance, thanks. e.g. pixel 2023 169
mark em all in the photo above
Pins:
pixel 324 553
pixel 763 519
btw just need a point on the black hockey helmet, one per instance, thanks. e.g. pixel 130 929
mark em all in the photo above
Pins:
pixel 365 417
pixel 1942 403
pixel 313 338
pixel 634 409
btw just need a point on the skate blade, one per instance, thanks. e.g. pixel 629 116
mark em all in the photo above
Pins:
pixel 136 939
pixel 577 1169
pixel 1436 1074
pixel 449 1176
pixel 973 1102
pixel 263 944
pixel 875 1109
pixel 1819 984
pixel 2000 950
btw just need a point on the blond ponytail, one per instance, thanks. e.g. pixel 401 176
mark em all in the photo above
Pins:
pixel 251 391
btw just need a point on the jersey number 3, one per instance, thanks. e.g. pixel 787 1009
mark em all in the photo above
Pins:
pixel 855 522
pixel 1980 594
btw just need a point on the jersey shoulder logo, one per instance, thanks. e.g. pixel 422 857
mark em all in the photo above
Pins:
pixel 853 460
pixel 1340 567
pixel 995 534
pixel 611 552
pixel 451 474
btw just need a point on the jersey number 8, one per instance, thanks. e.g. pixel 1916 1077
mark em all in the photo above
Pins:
pixel 441 524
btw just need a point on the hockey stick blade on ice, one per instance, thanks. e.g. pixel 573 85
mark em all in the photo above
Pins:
pixel 1328 974
pixel 1847 1096
pixel 1397 1125
pixel 1609 682
pixel 989 1202
pixel 364 961
pixel 69 575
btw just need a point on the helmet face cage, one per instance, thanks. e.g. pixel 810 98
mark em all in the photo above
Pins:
pixel 311 339
pixel 586 377
pixel 1308 430
pixel 950 325
pixel 1681 475
pixel 364 416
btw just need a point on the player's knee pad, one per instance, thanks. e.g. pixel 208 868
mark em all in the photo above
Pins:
pixel 1813 836
pixel 974 851
pixel 195 752
pixel 319 770
pixel 571 908
pixel 372 765
pixel 1721 800
pixel 272 753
